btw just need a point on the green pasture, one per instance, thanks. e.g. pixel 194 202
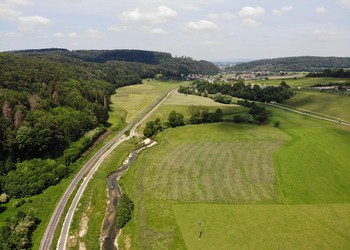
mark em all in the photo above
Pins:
pixel 313 167
pixel 181 102
pixel 214 163
pixel 332 105
pixel 299 81
pixel 251 186
pixel 130 101
pixel 264 226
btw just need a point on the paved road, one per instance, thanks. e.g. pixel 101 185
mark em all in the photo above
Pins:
pixel 308 114
pixel 91 165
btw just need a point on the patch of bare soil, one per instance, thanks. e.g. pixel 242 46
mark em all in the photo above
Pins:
pixel 82 246
pixel 127 241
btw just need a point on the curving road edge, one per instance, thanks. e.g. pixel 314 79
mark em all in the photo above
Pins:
pixel 90 167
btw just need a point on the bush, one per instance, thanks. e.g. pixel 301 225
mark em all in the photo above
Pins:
pixel 4 198
pixel 124 211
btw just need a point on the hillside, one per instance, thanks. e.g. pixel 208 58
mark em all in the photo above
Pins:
pixel 164 63
pixel 302 63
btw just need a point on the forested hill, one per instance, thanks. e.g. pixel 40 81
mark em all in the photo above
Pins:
pixel 102 56
pixel 302 63
pixel 42 90
pixel 164 63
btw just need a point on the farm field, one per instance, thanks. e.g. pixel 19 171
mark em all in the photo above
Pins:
pixel 130 101
pixel 325 103
pixel 299 81
pixel 287 187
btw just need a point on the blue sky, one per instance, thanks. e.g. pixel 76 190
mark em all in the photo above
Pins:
pixel 206 29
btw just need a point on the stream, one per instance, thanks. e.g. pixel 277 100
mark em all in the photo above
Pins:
pixel 109 230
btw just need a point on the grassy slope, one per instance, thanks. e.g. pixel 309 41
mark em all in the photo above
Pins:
pixel 325 103
pixel 299 81
pixel 314 165
pixel 129 101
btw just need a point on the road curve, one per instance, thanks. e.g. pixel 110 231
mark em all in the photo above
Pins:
pixel 91 165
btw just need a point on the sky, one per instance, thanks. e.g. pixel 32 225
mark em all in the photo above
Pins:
pixel 215 30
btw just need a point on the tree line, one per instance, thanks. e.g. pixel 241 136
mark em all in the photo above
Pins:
pixel 197 115
pixel 239 89
pixel 331 73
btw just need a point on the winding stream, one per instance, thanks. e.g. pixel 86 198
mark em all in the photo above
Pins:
pixel 109 230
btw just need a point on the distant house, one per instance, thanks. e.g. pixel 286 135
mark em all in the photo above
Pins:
pixel 247 76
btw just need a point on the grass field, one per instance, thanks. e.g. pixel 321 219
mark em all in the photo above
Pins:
pixel 299 81
pixel 251 186
pixel 325 103
pixel 130 101
pixel 264 226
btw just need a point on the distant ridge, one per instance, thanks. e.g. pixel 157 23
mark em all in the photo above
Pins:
pixel 299 63
pixel 101 56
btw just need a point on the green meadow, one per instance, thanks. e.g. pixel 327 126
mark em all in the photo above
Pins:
pixel 243 186
pixel 332 105
pixel 299 81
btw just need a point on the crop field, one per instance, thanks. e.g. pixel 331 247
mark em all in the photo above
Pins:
pixel 253 186
pixel 299 81
pixel 330 104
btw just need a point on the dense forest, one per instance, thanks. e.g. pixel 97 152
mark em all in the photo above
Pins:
pixel 163 63
pixel 54 104
pixel 302 63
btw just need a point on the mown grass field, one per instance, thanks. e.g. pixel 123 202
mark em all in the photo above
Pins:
pixel 130 101
pixel 299 81
pixel 250 186
pixel 329 104
pixel 264 226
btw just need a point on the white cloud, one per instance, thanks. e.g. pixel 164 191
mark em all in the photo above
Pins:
pixel 223 16
pixel 19 2
pixel 161 14
pixel 251 11
pixel 66 35
pixel 202 26
pixel 7 13
pixel 325 35
pixel 93 33
pixel 118 28
pixel 250 23
pixel 320 10
pixel 231 34
pixel 189 6
pixel 31 23
pixel 346 3
pixel 280 11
